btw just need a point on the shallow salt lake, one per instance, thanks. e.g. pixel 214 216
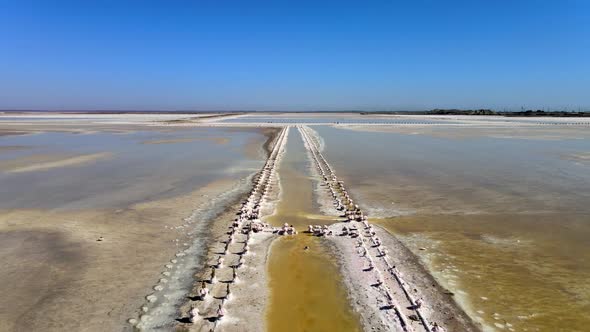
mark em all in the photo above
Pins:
pixel 102 215
pixel 136 166
pixel 499 216
pixel 503 220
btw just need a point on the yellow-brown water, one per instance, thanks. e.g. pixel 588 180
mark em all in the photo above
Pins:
pixel 505 221
pixel 514 280
pixel 297 206
pixel 306 291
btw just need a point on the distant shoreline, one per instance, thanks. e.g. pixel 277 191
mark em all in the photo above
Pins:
pixel 212 113
pixel 480 112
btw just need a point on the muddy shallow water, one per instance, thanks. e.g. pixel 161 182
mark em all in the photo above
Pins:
pixel 307 292
pixel 501 221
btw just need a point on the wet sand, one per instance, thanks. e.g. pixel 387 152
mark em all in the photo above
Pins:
pixel 87 284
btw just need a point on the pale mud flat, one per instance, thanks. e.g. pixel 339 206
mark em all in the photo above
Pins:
pixel 90 269
pixel 24 123
pixel 62 277
pixel 165 303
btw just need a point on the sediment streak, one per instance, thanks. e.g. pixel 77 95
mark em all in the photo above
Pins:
pixel 388 278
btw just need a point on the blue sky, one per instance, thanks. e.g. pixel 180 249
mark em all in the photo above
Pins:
pixel 294 55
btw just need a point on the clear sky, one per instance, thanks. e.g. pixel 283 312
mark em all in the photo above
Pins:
pixel 294 55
